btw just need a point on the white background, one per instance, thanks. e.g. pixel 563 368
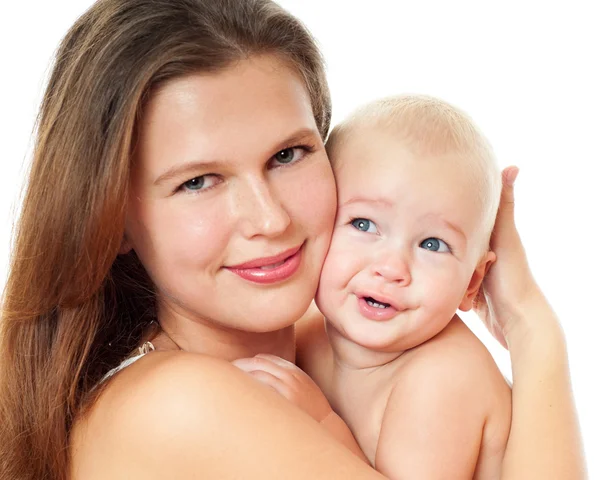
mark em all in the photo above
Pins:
pixel 528 72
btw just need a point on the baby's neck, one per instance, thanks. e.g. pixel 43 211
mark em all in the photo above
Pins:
pixel 348 355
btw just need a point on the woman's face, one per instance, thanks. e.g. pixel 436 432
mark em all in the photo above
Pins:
pixel 232 197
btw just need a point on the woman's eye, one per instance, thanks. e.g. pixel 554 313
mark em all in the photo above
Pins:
pixel 364 225
pixel 435 245
pixel 289 155
pixel 201 182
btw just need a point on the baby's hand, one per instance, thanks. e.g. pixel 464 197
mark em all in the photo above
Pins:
pixel 295 385
pixel 290 381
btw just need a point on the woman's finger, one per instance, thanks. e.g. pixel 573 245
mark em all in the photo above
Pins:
pixel 505 235
pixel 509 176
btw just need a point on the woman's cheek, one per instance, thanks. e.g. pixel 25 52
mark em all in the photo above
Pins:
pixel 341 261
pixel 189 238
pixel 319 196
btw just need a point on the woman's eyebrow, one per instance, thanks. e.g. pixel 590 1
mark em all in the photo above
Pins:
pixel 187 167
pixel 299 136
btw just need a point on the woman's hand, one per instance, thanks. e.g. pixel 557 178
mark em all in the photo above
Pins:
pixel 289 381
pixel 509 284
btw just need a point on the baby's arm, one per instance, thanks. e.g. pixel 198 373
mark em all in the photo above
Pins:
pixel 437 421
pixel 297 387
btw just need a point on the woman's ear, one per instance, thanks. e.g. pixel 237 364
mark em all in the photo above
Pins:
pixel 126 246
pixel 478 275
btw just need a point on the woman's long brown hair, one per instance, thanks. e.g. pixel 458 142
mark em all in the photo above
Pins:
pixel 72 307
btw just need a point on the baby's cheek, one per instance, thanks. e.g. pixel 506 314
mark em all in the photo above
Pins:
pixel 449 290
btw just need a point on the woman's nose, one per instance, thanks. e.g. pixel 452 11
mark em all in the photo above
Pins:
pixel 260 210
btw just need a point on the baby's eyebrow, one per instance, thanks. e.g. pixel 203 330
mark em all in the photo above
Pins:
pixel 380 201
pixel 447 224
pixel 457 229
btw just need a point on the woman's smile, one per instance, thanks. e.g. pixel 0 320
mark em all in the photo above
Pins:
pixel 273 269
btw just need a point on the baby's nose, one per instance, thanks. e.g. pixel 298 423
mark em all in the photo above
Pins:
pixel 394 269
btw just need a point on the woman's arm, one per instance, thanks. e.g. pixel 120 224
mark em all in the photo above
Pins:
pixel 545 440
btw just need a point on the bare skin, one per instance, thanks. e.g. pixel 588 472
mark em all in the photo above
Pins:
pixel 191 414
pixel 404 411
pixel 420 393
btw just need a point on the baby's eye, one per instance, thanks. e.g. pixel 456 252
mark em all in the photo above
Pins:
pixel 201 182
pixel 289 155
pixel 435 245
pixel 364 225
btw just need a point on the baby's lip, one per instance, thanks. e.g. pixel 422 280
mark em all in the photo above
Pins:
pixel 380 298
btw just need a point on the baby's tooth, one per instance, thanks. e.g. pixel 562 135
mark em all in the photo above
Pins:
pixel 375 304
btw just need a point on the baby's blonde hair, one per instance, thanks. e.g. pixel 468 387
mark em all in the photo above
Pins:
pixel 431 127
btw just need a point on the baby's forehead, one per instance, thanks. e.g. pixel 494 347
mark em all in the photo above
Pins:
pixel 373 152
pixel 380 166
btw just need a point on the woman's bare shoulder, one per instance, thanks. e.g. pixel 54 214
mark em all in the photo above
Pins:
pixel 175 414
pixel 145 403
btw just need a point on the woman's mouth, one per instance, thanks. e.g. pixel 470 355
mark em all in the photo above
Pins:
pixel 273 269
pixel 274 265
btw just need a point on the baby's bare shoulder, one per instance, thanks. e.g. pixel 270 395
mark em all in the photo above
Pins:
pixel 446 389
pixel 455 360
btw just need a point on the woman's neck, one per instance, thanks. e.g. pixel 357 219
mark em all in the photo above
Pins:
pixel 179 331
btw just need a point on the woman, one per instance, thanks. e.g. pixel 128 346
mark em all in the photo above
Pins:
pixel 180 192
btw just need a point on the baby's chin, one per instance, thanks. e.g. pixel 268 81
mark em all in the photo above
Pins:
pixel 372 338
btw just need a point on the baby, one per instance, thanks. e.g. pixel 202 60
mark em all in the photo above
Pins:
pixel 418 191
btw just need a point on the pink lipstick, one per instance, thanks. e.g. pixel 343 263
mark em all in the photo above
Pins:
pixel 266 270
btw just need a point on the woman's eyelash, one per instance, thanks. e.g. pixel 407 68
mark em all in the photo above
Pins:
pixel 198 181
pixel 306 149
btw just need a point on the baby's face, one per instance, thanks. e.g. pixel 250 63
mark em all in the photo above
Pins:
pixel 405 243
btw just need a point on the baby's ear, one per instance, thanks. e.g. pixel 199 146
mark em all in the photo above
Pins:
pixel 484 265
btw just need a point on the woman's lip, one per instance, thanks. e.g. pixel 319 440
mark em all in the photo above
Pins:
pixel 265 261
pixel 286 268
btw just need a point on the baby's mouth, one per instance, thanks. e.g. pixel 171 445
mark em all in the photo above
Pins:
pixel 374 303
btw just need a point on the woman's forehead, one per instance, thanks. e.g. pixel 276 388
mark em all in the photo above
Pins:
pixel 233 91
pixel 253 103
